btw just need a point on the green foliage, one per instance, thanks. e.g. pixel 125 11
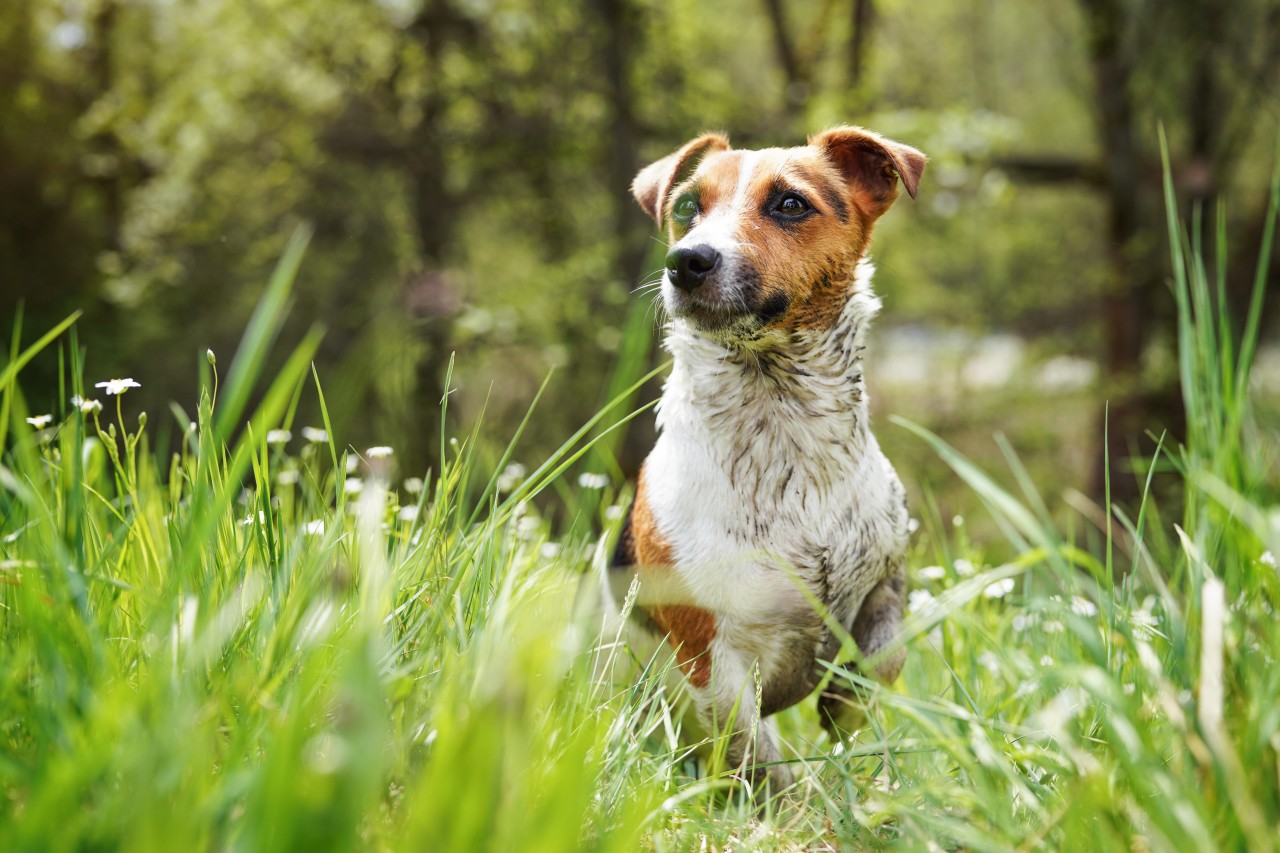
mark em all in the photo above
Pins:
pixel 465 167
pixel 264 641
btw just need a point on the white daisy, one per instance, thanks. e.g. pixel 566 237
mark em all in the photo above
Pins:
pixel 999 589
pixel 511 477
pixel 413 485
pixel 314 528
pixel 1082 606
pixel 379 452
pixel 314 435
pixel 593 481
pixel 933 573
pixel 1144 622
pixel 278 436
pixel 117 386
pixel 408 513
pixel 919 600
pixel 40 421
pixel 353 486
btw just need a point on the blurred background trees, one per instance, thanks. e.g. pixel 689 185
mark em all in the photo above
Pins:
pixel 465 164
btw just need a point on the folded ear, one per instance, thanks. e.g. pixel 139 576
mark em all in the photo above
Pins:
pixel 872 164
pixel 655 181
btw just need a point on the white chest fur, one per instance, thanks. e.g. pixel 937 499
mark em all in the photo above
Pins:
pixel 766 476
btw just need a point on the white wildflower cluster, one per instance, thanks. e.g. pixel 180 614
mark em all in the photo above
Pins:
pixel 353 486
pixel 379 452
pixel 988 661
pixel 964 568
pixel 313 528
pixel 408 513
pixel 613 513
pixel 278 436
pixel 413 485
pixel 40 421
pixel 1267 558
pixel 287 477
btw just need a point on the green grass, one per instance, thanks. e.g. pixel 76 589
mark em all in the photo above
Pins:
pixel 252 645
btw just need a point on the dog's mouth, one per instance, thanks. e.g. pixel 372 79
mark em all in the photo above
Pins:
pixel 725 312
pixel 709 315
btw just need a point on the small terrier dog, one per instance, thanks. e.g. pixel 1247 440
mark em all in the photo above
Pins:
pixel 766 490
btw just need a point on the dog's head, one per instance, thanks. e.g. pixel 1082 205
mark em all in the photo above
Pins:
pixel 769 239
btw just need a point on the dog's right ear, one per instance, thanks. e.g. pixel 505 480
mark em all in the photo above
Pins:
pixel 655 181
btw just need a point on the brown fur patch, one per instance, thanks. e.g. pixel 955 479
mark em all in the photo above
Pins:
pixel 690 631
pixel 811 261
pixel 648 546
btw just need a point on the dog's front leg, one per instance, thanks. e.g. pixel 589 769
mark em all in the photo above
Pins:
pixel 729 706
pixel 874 629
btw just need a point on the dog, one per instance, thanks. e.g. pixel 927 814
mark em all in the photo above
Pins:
pixel 766 494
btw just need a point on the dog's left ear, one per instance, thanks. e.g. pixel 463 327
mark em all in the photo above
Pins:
pixel 654 183
pixel 872 164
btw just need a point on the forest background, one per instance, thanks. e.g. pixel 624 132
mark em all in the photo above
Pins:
pixel 465 166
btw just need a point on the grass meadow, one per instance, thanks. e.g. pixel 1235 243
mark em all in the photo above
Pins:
pixel 257 638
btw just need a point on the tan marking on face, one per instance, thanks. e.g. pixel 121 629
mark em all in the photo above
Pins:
pixel 810 262
pixel 713 182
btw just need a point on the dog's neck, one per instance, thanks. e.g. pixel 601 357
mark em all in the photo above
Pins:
pixel 793 397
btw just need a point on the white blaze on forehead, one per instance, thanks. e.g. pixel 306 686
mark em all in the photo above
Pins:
pixel 719 228
pixel 746 169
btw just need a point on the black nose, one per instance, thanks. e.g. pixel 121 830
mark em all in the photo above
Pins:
pixel 688 267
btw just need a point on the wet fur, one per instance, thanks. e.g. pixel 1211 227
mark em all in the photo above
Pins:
pixel 766 481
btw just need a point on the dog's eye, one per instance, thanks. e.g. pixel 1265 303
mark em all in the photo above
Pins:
pixel 685 208
pixel 792 204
